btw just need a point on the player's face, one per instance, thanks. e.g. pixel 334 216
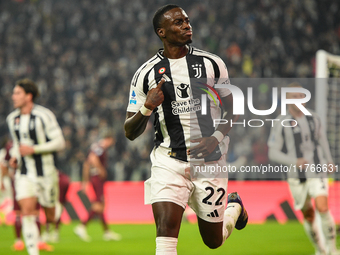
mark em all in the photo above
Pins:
pixel 296 95
pixel 19 97
pixel 176 28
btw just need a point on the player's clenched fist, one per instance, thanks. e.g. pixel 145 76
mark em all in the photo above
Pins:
pixel 155 96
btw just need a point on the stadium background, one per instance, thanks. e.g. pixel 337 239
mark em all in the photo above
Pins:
pixel 83 54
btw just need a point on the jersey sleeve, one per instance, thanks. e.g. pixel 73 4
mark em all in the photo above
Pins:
pixel 323 142
pixel 137 96
pixel 15 149
pixel 223 78
pixel 56 141
pixel 275 145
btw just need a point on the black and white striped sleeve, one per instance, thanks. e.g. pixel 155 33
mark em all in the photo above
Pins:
pixel 56 141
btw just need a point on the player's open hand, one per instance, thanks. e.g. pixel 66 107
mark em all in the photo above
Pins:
pixel 155 96
pixel 204 148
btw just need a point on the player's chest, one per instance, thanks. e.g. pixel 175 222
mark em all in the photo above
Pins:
pixel 306 130
pixel 27 126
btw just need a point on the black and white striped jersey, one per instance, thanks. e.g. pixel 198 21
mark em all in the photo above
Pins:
pixel 179 118
pixel 304 139
pixel 41 130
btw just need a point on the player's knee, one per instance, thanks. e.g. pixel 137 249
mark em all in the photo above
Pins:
pixel 27 210
pixel 308 214
pixel 212 240
pixel 213 243
pixel 322 209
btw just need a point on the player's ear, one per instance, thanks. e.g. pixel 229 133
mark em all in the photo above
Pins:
pixel 161 32
pixel 29 97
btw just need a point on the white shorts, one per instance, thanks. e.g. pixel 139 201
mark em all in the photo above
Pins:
pixel 303 192
pixel 170 181
pixel 46 189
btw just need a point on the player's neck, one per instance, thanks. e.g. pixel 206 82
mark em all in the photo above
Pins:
pixel 174 52
pixel 27 108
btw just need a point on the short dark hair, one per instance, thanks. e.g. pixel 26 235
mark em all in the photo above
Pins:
pixel 29 87
pixel 157 17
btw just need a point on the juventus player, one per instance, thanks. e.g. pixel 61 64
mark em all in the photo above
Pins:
pixel 306 143
pixel 159 86
pixel 36 137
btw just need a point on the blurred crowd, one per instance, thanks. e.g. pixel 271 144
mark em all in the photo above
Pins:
pixel 83 54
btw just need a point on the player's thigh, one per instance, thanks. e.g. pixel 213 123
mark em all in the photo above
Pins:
pixel 24 187
pixel 48 192
pixel 209 201
pixel 299 191
pixel 317 187
pixel 98 187
pixel 208 198
pixel 27 205
pixel 167 182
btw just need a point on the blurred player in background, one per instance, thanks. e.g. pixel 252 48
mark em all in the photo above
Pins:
pixel 95 172
pixel 156 87
pixel 306 143
pixel 36 137
pixel 10 173
pixel 6 191
pixel 52 235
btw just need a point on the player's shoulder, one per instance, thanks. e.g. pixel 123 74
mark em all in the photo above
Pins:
pixel 150 62
pixel 146 67
pixel 42 111
pixel 203 53
pixel 13 114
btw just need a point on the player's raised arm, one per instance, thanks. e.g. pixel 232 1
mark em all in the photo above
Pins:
pixel 135 123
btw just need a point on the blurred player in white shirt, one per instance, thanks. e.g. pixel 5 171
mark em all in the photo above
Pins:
pixel 306 143
pixel 36 137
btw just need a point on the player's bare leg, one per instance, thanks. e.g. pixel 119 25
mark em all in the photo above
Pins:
pixel 215 234
pixel 98 208
pixel 50 214
pixel 327 223
pixel 168 218
pixel 211 233
pixel 18 244
pixel 29 227
pixel 311 228
pixel 50 221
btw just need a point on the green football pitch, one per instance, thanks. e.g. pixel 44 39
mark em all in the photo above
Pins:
pixel 269 238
